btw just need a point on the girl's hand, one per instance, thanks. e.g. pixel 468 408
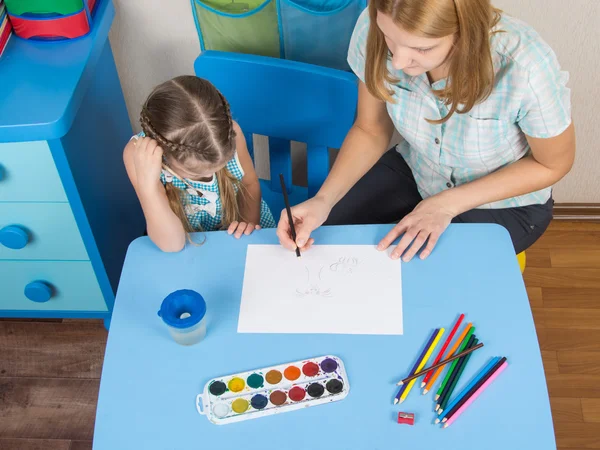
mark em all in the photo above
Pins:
pixel 147 161
pixel 242 229
pixel 425 223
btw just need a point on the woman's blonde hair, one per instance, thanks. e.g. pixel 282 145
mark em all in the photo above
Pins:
pixel 190 119
pixel 471 71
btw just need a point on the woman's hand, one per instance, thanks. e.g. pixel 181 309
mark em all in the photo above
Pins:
pixel 241 229
pixel 147 161
pixel 425 223
pixel 308 216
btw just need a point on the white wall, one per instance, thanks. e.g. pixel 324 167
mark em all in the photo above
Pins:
pixel 572 28
pixel 153 42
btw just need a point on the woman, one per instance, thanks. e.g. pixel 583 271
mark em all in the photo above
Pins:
pixel 482 106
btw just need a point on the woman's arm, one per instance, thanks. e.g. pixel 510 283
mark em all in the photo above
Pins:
pixel 143 162
pixel 550 160
pixel 366 142
pixel 249 203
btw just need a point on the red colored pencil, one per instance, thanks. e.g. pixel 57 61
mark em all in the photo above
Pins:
pixel 443 349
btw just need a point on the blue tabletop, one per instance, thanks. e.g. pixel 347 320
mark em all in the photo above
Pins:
pixel 149 383
pixel 42 83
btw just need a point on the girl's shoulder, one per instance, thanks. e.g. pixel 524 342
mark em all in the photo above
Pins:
pixel 235 167
pixel 237 128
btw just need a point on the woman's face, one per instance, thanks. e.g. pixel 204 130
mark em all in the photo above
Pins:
pixel 412 54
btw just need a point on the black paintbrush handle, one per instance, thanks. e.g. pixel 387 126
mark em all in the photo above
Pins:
pixel 289 212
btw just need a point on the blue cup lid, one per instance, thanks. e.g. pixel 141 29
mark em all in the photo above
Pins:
pixel 182 309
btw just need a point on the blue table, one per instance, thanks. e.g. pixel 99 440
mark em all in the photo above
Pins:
pixel 149 383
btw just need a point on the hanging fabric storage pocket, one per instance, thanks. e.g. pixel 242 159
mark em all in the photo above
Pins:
pixel 242 26
pixel 318 31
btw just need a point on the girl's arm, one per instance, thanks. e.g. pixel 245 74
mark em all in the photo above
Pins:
pixel 249 203
pixel 143 162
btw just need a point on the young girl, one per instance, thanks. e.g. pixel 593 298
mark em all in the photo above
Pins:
pixel 190 167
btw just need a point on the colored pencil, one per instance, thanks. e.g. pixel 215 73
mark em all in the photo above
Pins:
pixel 450 353
pixel 289 213
pixel 440 364
pixel 454 373
pixel 443 349
pixel 460 367
pixel 414 369
pixel 449 373
pixel 474 381
pixel 473 397
pixel 422 364
pixel 474 389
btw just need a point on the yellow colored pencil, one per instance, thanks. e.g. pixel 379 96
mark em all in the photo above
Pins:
pixel 450 353
pixel 422 364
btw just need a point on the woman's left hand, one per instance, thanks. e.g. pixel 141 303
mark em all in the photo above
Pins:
pixel 425 223
pixel 239 229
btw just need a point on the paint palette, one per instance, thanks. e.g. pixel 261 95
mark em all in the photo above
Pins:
pixel 273 390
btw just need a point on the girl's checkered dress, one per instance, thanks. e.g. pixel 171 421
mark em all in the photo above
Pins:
pixel 202 204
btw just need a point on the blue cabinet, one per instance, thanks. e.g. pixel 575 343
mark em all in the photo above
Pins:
pixel 67 209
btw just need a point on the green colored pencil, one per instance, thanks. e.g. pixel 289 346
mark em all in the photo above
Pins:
pixel 449 374
pixel 459 364
pixel 461 369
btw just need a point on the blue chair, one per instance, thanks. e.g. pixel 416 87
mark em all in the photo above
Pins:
pixel 286 101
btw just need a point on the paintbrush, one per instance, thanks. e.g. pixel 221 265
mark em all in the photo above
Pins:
pixel 441 363
pixel 289 213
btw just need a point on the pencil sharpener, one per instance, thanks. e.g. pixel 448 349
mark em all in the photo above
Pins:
pixel 406 418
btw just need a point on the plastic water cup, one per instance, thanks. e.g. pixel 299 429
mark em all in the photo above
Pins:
pixel 184 313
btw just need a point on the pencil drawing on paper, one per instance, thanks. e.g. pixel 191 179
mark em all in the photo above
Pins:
pixel 315 287
pixel 345 265
pixel 324 291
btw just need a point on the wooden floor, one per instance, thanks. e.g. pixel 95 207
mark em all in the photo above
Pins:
pixel 50 370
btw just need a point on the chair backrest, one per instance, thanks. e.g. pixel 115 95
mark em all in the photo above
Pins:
pixel 286 101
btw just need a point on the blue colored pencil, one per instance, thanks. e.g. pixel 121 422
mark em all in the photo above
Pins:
pixel 462 393
pixel 417 362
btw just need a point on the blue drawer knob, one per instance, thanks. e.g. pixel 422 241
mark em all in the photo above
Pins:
pixel 14 237
pixel 38 291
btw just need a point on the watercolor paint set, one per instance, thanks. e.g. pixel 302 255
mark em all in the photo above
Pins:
pixel 273 390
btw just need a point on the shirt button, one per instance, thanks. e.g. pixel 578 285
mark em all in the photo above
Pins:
pixel 437 141
pixel 449 185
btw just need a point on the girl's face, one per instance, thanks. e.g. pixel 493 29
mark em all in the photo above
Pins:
pixel 193 169
pixel 412 54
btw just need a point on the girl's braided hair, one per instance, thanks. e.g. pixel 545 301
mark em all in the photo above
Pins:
pixel 190 119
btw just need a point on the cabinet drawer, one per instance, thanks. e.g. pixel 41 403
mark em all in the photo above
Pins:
pixel 73 286
pixel 28 173
pixel 49 231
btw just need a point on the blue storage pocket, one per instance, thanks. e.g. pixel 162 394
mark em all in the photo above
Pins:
pixel 319 31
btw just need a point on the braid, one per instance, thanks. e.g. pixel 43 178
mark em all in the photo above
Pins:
pixel 177 149
pixel 150 131
pixel 227 110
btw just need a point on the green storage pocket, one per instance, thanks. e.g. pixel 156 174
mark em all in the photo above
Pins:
pixel 243 26
pixel 62 7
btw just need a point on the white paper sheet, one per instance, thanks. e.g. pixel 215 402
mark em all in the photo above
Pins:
pixel 345 289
